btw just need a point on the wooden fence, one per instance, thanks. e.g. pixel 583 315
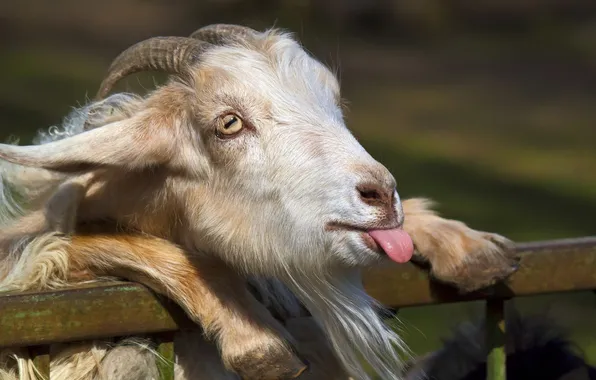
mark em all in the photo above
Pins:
pixel 37 319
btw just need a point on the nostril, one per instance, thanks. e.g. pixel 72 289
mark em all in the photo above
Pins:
pixel 371 194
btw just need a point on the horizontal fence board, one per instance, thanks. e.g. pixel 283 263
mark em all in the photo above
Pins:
pixel 99 311
pixel 119 309
pixel 546 267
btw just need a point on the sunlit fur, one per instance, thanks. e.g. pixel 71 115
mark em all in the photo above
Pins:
pixel 259 202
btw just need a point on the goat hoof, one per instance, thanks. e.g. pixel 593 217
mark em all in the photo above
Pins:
pixel 490 258
pixel 273 364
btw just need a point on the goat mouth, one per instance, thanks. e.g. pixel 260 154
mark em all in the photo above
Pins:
pixel 392 241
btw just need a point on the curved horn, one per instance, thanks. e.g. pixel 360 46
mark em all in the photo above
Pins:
pixel 166 54
pixel 218 34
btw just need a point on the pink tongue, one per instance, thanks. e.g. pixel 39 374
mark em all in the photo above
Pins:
pixel 396 243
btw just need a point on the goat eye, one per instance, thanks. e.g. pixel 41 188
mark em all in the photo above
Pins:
pixel 229 124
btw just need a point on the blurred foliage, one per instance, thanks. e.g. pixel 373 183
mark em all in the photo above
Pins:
pixel 486 106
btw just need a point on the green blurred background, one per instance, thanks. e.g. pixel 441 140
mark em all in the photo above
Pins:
pixel 486 106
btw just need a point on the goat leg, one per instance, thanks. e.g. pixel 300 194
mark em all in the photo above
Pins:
pixel 252 343
pixel 457 254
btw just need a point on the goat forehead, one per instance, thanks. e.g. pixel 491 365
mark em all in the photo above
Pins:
pixel 283 73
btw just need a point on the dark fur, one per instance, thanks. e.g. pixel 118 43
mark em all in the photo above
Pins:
pixel 537 348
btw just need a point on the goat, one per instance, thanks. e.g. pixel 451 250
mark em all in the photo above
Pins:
pixel 536 347
pixel 238 170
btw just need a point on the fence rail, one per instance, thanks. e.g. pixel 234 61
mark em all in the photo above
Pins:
pixel 546 267
pixel 37 319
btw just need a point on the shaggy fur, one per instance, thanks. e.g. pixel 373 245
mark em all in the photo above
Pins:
pixel 537 348
pixel 144 188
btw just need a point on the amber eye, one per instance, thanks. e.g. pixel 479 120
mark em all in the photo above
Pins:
pixel 229 124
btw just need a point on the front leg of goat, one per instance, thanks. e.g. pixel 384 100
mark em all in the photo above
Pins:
pixel 252 343
pixel 457 254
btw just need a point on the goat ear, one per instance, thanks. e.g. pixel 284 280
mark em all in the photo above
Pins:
pixel 120 144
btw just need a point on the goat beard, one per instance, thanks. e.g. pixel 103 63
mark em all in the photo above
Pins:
pixel 351 320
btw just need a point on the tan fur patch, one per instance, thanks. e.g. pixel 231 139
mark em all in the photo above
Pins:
pixel 459 255
pixel 213 296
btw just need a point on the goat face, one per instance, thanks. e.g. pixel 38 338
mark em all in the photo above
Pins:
pixel 288 176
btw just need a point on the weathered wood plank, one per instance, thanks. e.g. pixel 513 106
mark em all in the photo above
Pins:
pixel 84 313
pixel 546 267
pixel 118 309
